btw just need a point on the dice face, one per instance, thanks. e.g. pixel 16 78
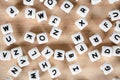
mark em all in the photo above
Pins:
pixel 115 38
pixel 105 25
pixel 29 37
pixel 94 55
pixel 15 70
pixel 112 1
pixel 30 13
pixel 42 38
pixel 94 2
pixel 107 51
pixel 75 69
pixel 6 28
pixel 41 16
pixel 54 72
pixel 9 39
pixel 82 11
pixel 23 61
pixel 28 2
pixel 44 65
pixel 47 52
pixel 81 23
pixel 114 15
pixel 59 55
pixel 54 21
pixel 81 48
pixel 55 33
pixel 66 6
pixel 77 38
pixel 41 0
pixel 106 68
pixel 34 75
pixel 70 56
pixel 12 11
pixel 116 50
pixel 95 39
pixel 117 26
pixel 16 52
pixel 5 55
pixel 34 53
pixel 50 3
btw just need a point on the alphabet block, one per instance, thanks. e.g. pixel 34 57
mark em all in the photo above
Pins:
pixel 41 16
pixel 95 39
pixel 106 68
pixel 106 51
pixel 66 6
pixel 117 26
pixel 81 23
pixel 94 55
pixel 12 11
pixel 34 53
pixel 30 13
pixel 44 65
pixel 6 28
pixel 28 2
pixel 112 1
pixel 42 38
pixel 5 55
pixel 114 15
pixel 59 54
pixel 94 2
pixel 34 75
pixel 47 52
pixel 41 0
pixel 50 3
pixel 115 38
pixel 116 50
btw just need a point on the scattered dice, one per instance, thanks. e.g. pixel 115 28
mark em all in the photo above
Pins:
pixel 59 54
pixel 115 38
pixel 30 13
pixel 107 51
pixel 5 55
pixel 34 75
pixel 50 3
pixel 42 38
pixel 28 2
pixel 114 15
pixel 116 50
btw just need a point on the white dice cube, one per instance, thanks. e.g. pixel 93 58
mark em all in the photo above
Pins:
pixel 59 55
pixel 106 68
pixel 34 53
pixel 116 50
pixel 105 25
pixel 54 72
pixel 42 38
pixel 67 6
pixel 112 1
pixel 50 3
pixel 12 11
pixel 94 2
pixel 55 33
pixel 114 15
pixel 33 75
pixel 95 39
pixel 94 55
pixel 81 48
pixel 82 10
pixel 5 55
pixel 81 23
pixel 41 16
pixel 28 2
pixel 75 69
pixel 115 38
pixel 106 51
pixel 30 13
pixel 117 26
pixel 41 0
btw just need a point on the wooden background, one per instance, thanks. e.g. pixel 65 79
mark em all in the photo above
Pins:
pixel 90 71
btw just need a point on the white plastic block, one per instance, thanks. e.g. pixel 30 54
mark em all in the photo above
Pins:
pixel 33 75
pixel 59 54
pixel 50 3
pixel 29 37
pixel 23 61
pixel 114 15
pixel 70 56
pixel 41 16
pixel 47 52
pixel 54 72
pixel 5 55
pixel 44 65
pixel 94 2
pixel 34 53
pixel 75 69
pixel 81 48
pixel 116 50
pixel 117 26
pixel 105 25
pixel 54 21
pixel 106 68
pixel 94 55
pixel 82 10
pixel 15 70
pixel 42 38
pixel 9 39
pixel 107 51
pixel 81 23
pixel 67 6
pixel 30 13
pixel 12 11
pixel 115 38
pixel 112 1
pixel 95 39
pixel 16 52
pixel 55 33
pixel 77 38
pixel 41 0
pixel 28 2
pixel 6 28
